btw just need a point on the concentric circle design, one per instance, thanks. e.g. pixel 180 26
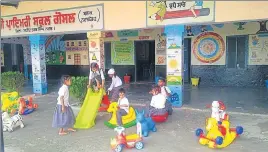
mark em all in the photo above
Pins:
pixel 208 47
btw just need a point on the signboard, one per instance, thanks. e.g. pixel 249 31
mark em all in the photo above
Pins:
pixel 55 21
pixel 258 49
pixel 128 33
pixel 122 53
pixel 178 12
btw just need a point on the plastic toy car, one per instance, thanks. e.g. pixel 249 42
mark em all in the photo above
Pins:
pixel 122 141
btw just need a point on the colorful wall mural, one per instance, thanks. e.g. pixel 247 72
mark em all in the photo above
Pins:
pixel 178 12
pixel 156 34
pixel 55 50
pixel 209 42
pixel 77 52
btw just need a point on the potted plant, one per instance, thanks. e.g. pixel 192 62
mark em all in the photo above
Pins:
pixel 12 81
pixel 195 80
pixel 78 90
pixel 127 78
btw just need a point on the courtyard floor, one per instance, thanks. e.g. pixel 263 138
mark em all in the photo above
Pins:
pixel 246 106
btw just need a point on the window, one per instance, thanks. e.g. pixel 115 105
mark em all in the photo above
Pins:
pixel 72 43
pixel 79 43
pixel 236 51
pixel 77 59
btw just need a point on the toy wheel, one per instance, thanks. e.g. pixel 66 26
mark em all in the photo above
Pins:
pixel 139 145
pixel 119 148
pixel 239 130
pixel 219 140
pixel 198 132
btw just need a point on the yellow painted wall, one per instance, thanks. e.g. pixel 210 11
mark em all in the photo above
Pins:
pixel 132 14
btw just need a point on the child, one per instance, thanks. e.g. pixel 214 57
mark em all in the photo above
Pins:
pixel 63 115
pixel 96 77
pixel 115 86
pixel 123 106
pixel 165 91
pixel 157 105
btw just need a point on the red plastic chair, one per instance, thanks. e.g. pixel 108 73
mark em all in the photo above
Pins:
pixel 160 118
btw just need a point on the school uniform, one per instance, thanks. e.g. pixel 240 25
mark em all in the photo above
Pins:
pixel 157 105
pixel 122 111
pixel 96 75
pixel 168 106
pixel 66 119
pixel 115 87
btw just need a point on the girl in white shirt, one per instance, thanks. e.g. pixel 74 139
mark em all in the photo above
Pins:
pixel 123 105
pixel 96 77
pixel 165 91
pixel 115 86
pixel 157 105
pixel 63 115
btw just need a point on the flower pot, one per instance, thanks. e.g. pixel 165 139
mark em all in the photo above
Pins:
pixel 195 81
pixel 126 79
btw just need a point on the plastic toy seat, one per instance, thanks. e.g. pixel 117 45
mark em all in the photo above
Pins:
pixel 160 118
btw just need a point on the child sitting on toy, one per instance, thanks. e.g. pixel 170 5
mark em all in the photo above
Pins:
pixel 123 107
pixel 115 86
pixel 158 102
pixel 63 115
pixel 96 77
pixel 165 91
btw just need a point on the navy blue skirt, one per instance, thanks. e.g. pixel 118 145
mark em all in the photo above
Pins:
pixel 63 120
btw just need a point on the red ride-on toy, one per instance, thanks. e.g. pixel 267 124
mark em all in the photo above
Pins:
pixel 104 103
pixel 160 118
pixel 122 141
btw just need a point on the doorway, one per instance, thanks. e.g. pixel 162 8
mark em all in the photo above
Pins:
pixel 187 60
pixel 145 60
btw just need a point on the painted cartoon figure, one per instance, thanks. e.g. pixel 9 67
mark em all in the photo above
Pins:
pixel 189 31
pixel 197 5
pixel 61 57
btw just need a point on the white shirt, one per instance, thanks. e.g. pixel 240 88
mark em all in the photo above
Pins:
pixel 116 82
pixel 64 91
pixel 123 101
pixel 100 72
pixel 158 101
pixel 163 91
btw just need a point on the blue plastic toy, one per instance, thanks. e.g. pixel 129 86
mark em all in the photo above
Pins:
pixel 147 124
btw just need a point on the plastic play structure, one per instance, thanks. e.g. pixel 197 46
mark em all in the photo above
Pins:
pixel 128 121
pixel 10 102
pixel 105 103
pixel 26 106
pixel 10 123
pixel 122 141
pixel 87 115
pixel 219 134
pixel 160 118
pixel 147 124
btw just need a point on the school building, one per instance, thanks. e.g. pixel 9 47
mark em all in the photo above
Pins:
pixel 224 43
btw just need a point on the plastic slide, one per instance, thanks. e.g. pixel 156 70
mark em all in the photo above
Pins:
pixel 87 115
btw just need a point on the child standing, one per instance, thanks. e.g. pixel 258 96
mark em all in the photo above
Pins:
pixel 165 91
pixel 123 106
pixel 115 86
pixel 157 105
pixel 63 115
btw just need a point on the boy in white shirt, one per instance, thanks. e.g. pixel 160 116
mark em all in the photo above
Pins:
pixel 158 102
pixel 165 91
pixel 123 107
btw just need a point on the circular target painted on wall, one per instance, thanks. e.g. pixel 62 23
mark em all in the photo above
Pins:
pixel 208 47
